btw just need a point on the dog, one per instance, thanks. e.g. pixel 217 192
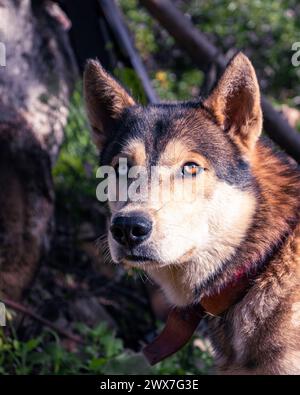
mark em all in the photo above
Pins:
pixel 242 215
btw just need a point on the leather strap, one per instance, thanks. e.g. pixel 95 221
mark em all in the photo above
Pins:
pixel 182 322
pixel 180 327
pixel 231 294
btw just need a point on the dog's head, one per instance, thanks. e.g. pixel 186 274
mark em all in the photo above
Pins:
pixel 202 147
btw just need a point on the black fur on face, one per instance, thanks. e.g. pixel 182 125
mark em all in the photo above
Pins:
pixel 192 122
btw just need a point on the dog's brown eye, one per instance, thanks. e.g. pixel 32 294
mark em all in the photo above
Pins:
pixel 191 169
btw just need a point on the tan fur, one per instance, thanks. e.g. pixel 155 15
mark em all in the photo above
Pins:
pixel 134 151
pixel 177 152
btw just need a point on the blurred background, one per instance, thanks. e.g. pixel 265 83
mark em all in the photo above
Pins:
pixel 69 309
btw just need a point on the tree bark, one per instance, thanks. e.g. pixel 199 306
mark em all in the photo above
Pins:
pixel 192 41
pixel 35 86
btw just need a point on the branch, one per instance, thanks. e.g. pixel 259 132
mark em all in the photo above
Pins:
pixel 116 21
pixel 203 53
pixel 25 310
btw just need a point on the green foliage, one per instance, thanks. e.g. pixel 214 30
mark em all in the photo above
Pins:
pixel 46 355
pixel 176 82
pixel 264 29
pixel 180 86
pixel 142 24
pixel 189 360
pixel 128 78
pixel 75 169
pixel 103 353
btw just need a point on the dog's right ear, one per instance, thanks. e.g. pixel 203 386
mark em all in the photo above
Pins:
pixel 235 102
pixel 105 101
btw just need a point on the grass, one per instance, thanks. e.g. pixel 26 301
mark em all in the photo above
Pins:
pixel 103 353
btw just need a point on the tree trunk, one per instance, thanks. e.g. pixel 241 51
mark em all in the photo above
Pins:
pixel 35 87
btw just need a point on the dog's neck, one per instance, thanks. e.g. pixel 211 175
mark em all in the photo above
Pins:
pixel 182 322
pixel 276 215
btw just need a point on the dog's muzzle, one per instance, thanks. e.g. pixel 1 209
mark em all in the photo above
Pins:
pixel 131 230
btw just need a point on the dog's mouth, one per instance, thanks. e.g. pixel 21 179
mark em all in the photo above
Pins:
pixel 139 258
pixel 136 259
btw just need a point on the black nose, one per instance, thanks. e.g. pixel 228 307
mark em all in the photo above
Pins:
pixel 131 230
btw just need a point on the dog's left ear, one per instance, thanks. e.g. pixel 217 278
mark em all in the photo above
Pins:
pixel 105 101
pixel 235 103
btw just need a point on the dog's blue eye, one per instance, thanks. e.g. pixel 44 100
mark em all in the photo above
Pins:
pixel 191 169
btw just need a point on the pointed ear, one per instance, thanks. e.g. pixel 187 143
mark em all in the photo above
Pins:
pixel 235 103
pixel 105 101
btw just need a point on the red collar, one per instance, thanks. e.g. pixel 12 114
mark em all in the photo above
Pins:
pixel 182 322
